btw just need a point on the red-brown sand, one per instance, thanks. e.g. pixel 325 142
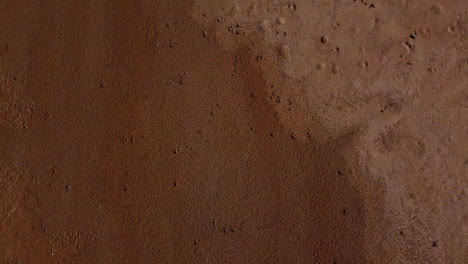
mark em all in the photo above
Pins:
pixel 230 131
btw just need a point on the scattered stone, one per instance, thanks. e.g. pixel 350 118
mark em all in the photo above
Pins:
pixel 335 69
pixel 236 9
pixel 363 64
pixel 324 39
pixel 285 51
pixel 437 10
pixel 280 21
pixel 263 26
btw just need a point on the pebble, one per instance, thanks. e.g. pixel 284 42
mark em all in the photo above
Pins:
pixel 335 69
pixel 437 10
pixel 280 21
pixel 363 64
pixel 285 51
pixel 324 39
pixel 263 26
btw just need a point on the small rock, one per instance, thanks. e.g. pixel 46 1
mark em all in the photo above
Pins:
pixel 280 21
pixel 262 26
pixel 437 10
pixel 335 69
pixel 324 39
pixel 285 51
pixel 363 64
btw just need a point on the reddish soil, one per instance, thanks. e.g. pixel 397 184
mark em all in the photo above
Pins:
pixel 165 132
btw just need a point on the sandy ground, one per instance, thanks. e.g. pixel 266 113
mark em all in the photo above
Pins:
pixel 228 131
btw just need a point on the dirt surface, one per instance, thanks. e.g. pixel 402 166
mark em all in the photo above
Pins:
pixel 209 131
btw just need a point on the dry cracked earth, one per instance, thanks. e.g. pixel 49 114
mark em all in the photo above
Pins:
pixel 229 131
